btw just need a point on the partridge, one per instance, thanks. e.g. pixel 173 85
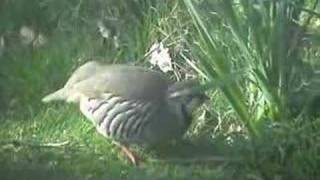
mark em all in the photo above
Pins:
pixel 130 104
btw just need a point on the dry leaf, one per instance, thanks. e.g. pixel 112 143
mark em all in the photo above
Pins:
pixel 159 56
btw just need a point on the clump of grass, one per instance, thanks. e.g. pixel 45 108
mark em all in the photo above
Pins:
pixel 255 53
pixel 258 43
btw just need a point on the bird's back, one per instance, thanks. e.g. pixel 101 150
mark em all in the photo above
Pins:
pixel 93 79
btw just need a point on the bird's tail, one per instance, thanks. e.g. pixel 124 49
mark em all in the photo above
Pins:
pixel 56 96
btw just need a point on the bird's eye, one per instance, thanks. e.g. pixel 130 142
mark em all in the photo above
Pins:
pixel 189 99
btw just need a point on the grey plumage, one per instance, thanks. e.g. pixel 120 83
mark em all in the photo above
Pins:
pixel 131 104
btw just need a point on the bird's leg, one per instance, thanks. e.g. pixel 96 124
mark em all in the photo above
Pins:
pixel 131 155
pixel 133 158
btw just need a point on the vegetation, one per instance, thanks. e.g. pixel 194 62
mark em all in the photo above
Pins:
pixel 259 60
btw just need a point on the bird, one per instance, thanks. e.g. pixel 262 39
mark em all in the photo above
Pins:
pixel 131 104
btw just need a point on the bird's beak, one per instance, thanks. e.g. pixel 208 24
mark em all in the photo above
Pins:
pixel 205 99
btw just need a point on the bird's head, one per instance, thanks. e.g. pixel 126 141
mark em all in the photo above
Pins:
pixel 186 97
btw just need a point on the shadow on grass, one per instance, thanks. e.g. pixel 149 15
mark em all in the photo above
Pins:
pixel 26 162
pixel 19 170
pixel 201 152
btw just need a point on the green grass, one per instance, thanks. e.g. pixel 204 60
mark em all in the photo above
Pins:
pixel 87 155
pixel 257 122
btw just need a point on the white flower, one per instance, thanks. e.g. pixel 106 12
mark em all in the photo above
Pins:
pixel 2 45
pixel 104 31
pixel 159 56
pixel 27 35
pixel 40 40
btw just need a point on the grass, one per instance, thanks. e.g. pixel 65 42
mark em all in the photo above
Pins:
pixel 262 119
pixel 87 155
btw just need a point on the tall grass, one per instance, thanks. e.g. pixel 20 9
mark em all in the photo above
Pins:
pixel 255 50
pixel 260 42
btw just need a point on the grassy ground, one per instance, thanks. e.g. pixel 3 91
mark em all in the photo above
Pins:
pixel 56 142
pixel 26 152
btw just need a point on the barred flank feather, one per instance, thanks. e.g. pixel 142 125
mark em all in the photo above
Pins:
pixel 116 117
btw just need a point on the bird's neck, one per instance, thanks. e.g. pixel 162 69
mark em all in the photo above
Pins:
pixel 183 116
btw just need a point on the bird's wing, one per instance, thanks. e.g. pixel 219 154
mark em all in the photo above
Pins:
pixel 126 81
